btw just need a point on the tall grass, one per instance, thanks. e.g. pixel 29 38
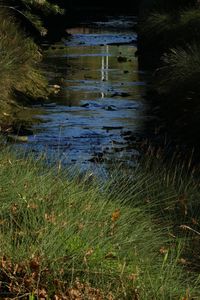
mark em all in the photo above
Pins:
pixel 73 236
pixel 147 6
pixel 33 13
pixel 19 71
pixel 177 84
pixel 170 41
pixel 167 30
pixel 181 71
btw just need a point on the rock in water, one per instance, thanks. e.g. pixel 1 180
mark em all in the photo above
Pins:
pixel 121 59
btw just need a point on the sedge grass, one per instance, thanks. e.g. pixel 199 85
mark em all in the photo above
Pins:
pixel 148 6
pixel 176 83
pixel 171 42
pixel 19 65
pixel 60 228
pixel 181 70
pixel 167 30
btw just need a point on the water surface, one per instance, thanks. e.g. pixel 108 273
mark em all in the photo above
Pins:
pixel 101 100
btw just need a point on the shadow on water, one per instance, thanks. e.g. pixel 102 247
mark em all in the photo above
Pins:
pixel 100 103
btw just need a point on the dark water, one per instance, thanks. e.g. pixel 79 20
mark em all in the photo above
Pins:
pixel 101 98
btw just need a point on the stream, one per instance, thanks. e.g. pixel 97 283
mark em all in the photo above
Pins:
pixel 100 102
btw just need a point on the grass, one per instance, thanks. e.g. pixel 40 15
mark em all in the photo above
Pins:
pixel 67 236
pixel 176 83
pixel 181 71
pixel 73 236
pixel 169 30
pixel 147 6
pixel 170 42
pixel 19 68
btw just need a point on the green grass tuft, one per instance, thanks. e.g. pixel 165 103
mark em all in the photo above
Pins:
pixel 21 79
pixel 169 30
pixel 110 236
pixel 181 71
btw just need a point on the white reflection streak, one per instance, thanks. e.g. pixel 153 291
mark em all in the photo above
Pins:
pixel 104 67
pixel 107 61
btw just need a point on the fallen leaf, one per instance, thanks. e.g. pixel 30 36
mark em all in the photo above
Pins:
pixel 110 255
pixel 133 277
pixel 194 221
pixel 14 208
pixel 163 250
pixel 182 261
pixel 34 263
pixel 50 218
pixel 89 252
pixel 32 206
pixel 80 226
pixel 42 294
pixel 115 215
pixel 74 294
pixel 2 222
pixel 182 202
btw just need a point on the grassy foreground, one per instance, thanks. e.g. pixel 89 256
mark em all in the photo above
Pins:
pixel 73 237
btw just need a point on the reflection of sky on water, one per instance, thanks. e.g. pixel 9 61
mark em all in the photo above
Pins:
pixel 101 39
pixel 100 98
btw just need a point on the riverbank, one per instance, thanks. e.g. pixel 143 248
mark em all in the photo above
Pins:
pixel 22 82
pixel 68 236
pixel 169 45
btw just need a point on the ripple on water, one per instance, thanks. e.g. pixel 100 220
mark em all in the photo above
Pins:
pixel 101 96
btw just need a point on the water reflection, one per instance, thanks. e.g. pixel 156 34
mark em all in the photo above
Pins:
pixel 101 97
pixel 104 66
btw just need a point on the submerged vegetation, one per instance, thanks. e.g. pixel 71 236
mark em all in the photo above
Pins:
pixel 67 236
